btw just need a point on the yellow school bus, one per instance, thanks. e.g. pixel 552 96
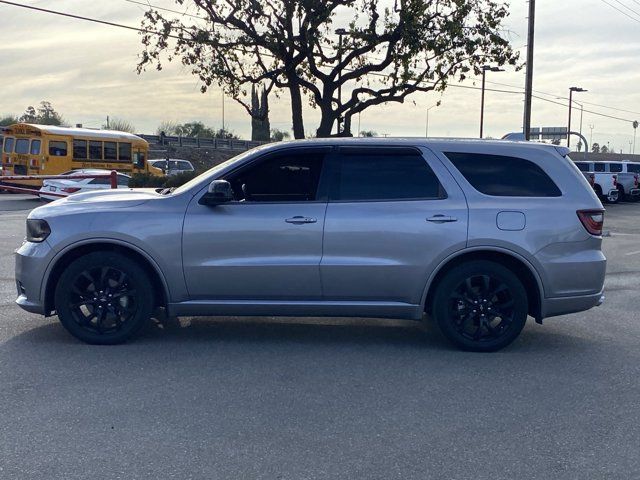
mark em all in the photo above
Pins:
pixel 50 150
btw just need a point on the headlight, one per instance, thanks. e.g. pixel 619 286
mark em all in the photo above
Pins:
pixel 37 230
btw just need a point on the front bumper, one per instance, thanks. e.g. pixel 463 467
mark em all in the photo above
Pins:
pixel 31 263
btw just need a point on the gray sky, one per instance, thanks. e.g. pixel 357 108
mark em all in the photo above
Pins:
pixel 88 72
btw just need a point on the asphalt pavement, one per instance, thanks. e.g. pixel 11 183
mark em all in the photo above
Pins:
pixel 324 398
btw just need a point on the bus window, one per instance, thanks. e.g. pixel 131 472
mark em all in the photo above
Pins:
pixel 110 151
pixel 125 152
pixel 80 149
pixel 58 149
pixel 8 144
pixel 35 147
pixel 22 146
pixel 95 150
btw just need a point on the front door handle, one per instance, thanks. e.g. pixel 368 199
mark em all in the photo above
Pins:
pixel 442 219
pixel 300 220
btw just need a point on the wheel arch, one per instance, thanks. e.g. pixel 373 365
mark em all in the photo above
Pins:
pixel 76 250
pixel 515 262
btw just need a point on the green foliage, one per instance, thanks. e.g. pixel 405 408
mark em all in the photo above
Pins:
pixel 179 179
pixel 146 180
pixel 278 135
pixel 8 120
pixel 120 125
pixel 595 148
pixel 385 54
pixel 368 133
pixel 195 129
pixel 140 180
pixel 45 114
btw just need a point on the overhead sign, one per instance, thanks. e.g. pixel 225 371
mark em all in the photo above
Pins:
pixel 554 133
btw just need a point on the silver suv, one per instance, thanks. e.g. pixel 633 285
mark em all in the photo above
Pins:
pixel 477 235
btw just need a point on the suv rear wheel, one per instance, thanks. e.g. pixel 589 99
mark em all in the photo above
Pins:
pixel 104 298
pixel 480 306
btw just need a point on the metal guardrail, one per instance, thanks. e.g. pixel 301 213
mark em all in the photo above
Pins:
pixel 216 143
pixel 112 176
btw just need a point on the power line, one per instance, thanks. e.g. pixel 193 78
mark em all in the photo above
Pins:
pixel 468 87
pixel 144 4
pixel 586 111
pixel 621 11
pixel 627 7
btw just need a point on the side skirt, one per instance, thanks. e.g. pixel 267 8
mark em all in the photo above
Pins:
pixel 277 308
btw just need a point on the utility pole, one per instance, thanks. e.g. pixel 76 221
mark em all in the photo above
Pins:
pixel 591 127
pixel 528 95
pixel 426 133
pixel 223 112
pixel 485 68
pixel 107 122
pixel 635 128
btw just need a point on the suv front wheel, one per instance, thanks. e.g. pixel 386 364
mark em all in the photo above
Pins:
pixel 480 306
pixel 104 298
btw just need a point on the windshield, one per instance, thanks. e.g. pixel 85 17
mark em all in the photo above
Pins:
pixel 211 172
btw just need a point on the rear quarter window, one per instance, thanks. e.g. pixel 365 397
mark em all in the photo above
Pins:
pixel 504 176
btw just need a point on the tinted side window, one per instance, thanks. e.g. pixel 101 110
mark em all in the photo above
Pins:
pixel 110 151
pixel 58 149
pixel 615 167
pixel 288 177
pixel 599 167
pixel 385 176
pixel 100 181
pixel 95 150
pixel 504 176
pixel 80 149
pixel 583 167
pixel 124 151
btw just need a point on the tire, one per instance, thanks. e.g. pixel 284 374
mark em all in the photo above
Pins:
pixel 104 298
pixel 474 317
pixel 622 197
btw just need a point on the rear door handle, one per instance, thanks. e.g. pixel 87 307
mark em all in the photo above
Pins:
pixel 442 219
pixel 300 220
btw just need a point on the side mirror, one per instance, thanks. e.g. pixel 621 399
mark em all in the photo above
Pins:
pixel 219 192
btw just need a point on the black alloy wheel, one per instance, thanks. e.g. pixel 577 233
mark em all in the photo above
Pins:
pixel 104 298
pixel 481 306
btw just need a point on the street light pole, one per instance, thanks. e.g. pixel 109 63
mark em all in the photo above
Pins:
pixel 426 133
pixel 528 95
pixel 485 68
pixel 571 90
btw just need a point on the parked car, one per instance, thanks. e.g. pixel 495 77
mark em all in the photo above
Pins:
pixel 605 184
pixel 626 175
pixel 79 185
pixel 476 235
pixel 172 166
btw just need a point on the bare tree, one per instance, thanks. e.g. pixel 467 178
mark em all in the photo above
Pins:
pixel 387 53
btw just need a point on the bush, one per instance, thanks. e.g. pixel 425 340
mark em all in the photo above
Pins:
pixel 146 180
pixel 179 179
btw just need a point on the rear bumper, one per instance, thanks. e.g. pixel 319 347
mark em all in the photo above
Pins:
pixel 552 307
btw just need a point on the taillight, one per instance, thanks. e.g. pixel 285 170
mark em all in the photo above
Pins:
pixel 69 189
pixel 592 220
pixel 615 180
pixel 592 179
